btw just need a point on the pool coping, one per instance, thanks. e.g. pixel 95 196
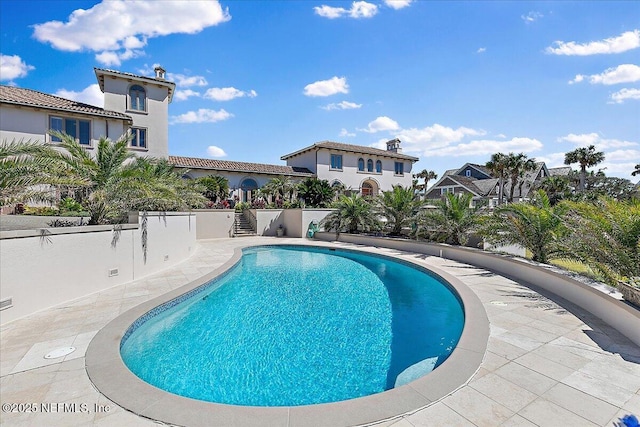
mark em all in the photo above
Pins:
pixel 113 379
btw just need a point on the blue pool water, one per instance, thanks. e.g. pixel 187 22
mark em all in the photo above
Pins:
pixel 293 326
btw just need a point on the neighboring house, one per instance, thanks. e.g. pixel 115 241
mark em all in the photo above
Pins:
pixel 244 178
pixel 366 170
pixel 477 180
pixel 131 103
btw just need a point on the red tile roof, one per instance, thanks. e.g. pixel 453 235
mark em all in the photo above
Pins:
pixel 227 165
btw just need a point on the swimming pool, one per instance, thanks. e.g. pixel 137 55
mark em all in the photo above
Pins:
pixel 290 326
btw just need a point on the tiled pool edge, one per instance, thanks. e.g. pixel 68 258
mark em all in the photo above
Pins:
pixel 113 379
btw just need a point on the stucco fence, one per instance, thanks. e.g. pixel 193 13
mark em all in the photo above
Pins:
pixel 622 317
pixel 47 267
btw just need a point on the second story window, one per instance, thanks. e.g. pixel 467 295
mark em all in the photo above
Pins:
pixel 378 166
pixel 336 161
pixel 137 98
pixel 80 130
pixel 399 168
pixel 139 138
pixel 369 165
pixel 361 164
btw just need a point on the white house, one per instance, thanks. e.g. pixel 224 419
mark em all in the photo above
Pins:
pixel 131 103
pixel 364 169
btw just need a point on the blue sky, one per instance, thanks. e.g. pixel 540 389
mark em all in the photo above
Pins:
pixel 455 81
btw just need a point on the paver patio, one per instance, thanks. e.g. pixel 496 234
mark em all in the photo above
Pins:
pixel 548 363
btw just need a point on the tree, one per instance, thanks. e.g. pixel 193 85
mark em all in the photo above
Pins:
pixel 316 193
pixel 452 220
pixel 517 166
pixel 535 225
pixel 426 175
pixel 498 166
pixel 636 171
pixel 587 157
pixel 216 187
pixel 280 186
pixel 556 187
pixel 28 170
pixel 352 213
pixel 606 236
pixel 399 206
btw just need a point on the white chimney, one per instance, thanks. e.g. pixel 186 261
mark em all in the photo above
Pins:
pixel 159 72
pixel 394 145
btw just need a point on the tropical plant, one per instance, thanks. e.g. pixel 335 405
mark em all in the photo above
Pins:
pixel 426 175
pixel 535 225
pixel 498 166
pixel 353 213
pixel 216 187
pixel 399 206
pixel 556 187
pixel 281 187
pixel 316 193
pixel 27 170
pixel 606 236
pixel 518 165
pixel 452 221
pixel 586 157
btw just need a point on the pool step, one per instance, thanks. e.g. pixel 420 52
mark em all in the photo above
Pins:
pixel 242 227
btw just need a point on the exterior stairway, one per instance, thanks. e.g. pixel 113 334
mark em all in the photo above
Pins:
pixel 242 227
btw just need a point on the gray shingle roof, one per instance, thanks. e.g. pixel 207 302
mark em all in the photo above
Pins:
pixel 559 171
pixel 227 165
pixel 359 149
pixel 33 98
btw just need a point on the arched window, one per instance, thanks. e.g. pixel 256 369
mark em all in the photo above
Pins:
pixel 369 165
pixel 137 98
pixel 361 164
pixel 378 166
pixel 367 189
pixel 248 189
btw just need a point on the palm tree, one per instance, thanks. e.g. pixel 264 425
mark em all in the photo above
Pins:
pixel 27 170
pixel 587 157
pixel 498 166
pixel 352 213
pixel 517 167
pixel 636 171
pixel 535 225
pixel 280 186
pixel 399 206
pixel 606 236
pixel 556 187
pixel 426 175
pixel 316 193
pixel 452 221
pixel 217 187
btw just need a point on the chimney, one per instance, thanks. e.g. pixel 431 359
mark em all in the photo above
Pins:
pixel 394 145
pixel 159 72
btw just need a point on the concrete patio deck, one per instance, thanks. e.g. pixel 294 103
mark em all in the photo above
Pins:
pixel 548 363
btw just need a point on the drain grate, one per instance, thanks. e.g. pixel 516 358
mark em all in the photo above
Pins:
pixel 59 352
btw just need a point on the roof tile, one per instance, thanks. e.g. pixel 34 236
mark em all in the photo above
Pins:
pixel 352 149
pixel 227 165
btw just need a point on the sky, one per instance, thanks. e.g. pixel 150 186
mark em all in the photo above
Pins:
pixel 454 81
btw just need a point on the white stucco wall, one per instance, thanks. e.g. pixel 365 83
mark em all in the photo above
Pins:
pixel 214 223
pixel 40 272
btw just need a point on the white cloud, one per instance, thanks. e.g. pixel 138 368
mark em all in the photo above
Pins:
pixel 185 81
pixel 359 9
pixel 203 115
pixel 382 123
pixel 118 29
pixel 228 93
pixel 553 160
pixel 625 73
pixel 344 132
pixel 531 17
pixel 91 95
pixel 625 41
pixel 327 87
pixel 398 4
pixel 434 136
pixel 215 152
pixel 481 50
pixel 13 67
pixel 486 147
pixel 344 105
pixel 585 139
pixel 183 95
pixel 623 94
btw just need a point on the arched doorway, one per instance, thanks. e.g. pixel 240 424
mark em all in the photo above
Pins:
pixel 369 188
pixel 248 188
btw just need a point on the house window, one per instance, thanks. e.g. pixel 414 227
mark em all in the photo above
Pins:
pixel 137 98
pixel 361 164
pixel 336 161
pixel 467 172
pixel 80 130
pixel 446 190
pixel 378 166
pixel 369 165
pixel 399 168
pixel 138 137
